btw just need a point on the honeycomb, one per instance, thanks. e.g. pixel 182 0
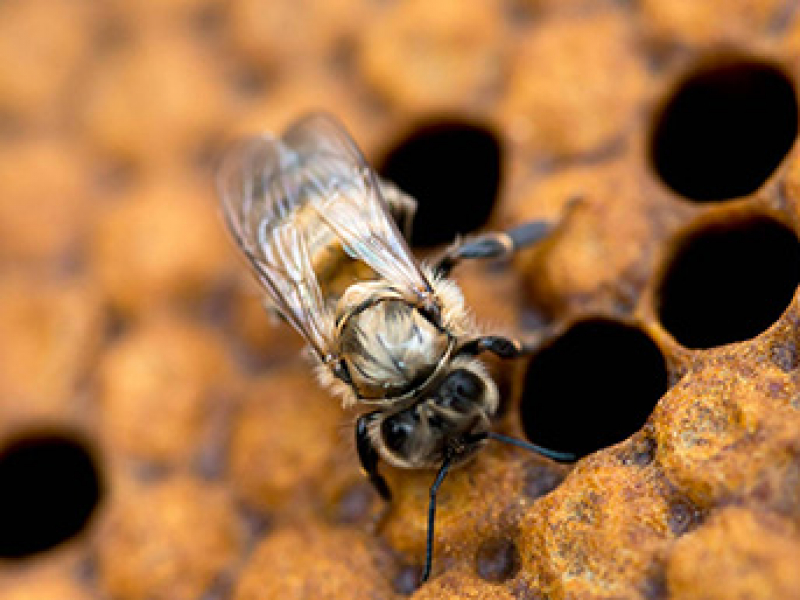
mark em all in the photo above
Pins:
pixel 161 438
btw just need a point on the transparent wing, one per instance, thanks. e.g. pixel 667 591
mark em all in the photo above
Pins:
pixel 351 202
pixel 261 185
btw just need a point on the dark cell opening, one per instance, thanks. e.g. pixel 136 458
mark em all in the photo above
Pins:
pixel 729 282
pixel 50 488
pixel 592 387
pixel 725 130
pixel 453 170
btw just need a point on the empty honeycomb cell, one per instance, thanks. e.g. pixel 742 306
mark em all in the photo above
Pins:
pixel 592 387
pixel 173 538
pixel 728 281
pixel 39 512
pixel 724 129
pixel 453 169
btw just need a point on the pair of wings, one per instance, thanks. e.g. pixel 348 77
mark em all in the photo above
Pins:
pixel 263 184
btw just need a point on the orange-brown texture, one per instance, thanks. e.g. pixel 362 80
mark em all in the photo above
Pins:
pixel 227 472
pixel 171 538
pixel 157 245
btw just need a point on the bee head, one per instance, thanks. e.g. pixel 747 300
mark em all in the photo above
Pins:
pixel 448 419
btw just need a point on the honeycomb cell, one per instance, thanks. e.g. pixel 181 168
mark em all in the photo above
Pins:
pixel 314 563
pixel 171 539
pixel 141 107
pixel 453 169
pixel 737 554
pixel 729 281
pixel 497 560
pixel 591 387
pixel 725 129
pixel 159 244
pixel 424 60
pixel 319 28
pixel 43 217
pixel 243 482
pixel 564 77
pixel 565 538
pixel 52 334
pixel 50 582
pixel 685 23
pixel 725 431
pixel 41 58
pixel 163 367
pixel 464 585
pixel 40 512
pixel 282 439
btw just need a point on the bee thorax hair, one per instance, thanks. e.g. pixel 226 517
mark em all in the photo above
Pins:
pixel 387 345
pixel 389 348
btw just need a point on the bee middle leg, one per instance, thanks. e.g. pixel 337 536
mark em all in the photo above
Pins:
pixel 498 345
pixel 500 244
pixel 402 207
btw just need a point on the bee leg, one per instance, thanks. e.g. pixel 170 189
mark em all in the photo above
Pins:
pixel 402 207
pixel 498 345
pixel 369 456
pixel 431 518
pixel 492 245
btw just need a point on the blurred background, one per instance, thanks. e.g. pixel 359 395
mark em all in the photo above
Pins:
pixel 159 438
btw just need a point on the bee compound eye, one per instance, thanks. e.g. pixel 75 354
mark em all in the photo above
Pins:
pixel 468 385
pixel 396 430
pixel 459 390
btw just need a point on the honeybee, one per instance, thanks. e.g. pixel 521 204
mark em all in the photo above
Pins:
pixel 319 229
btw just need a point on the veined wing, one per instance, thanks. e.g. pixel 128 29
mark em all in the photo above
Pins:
pixel 261 183
pixel 351 203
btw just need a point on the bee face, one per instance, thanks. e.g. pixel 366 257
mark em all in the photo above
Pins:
pixel 446 420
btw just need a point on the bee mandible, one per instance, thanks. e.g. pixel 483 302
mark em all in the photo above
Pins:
pixel 390 335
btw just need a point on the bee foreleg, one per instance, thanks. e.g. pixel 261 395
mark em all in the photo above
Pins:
pixel 492 245
pixel 369 456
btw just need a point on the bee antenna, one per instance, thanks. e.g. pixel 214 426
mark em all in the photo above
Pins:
pixel 552 454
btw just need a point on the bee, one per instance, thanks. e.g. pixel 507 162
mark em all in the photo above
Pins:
pixel 389 335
